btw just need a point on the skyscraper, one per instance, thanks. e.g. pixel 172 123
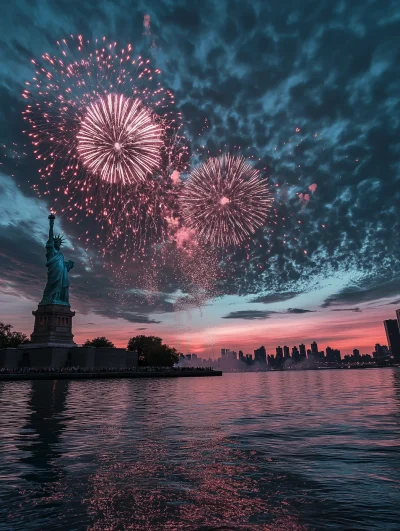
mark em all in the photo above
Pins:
pixel 378 351
pixel 302 349
pixel 314 348
pixel 279 357
pixel 295 354
pixel 393 337
pixel 260 355
pixel 286 352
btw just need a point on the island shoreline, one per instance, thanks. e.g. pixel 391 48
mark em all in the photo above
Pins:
pixel 106 375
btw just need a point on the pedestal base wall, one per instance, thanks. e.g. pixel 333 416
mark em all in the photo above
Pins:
pixel 57 357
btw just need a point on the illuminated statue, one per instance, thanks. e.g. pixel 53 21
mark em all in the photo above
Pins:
pixel 57 287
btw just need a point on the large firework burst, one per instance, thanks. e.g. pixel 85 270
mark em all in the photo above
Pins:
pixel 107 137
pixel 225 200
pixel 94 110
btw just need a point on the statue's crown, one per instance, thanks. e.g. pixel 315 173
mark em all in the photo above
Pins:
pixel 59 239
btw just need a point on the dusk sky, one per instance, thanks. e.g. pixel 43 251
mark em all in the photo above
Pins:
pixel 309 89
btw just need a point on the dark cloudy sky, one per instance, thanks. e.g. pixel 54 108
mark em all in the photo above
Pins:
pixel 313 89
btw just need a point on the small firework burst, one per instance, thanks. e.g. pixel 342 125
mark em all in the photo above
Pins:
pixel 225 200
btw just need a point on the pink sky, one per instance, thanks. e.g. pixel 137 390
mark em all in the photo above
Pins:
pixel 343 330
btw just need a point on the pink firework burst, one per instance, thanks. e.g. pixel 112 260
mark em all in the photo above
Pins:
pixel 120 140
pixel 94 110
pixel 107 137
pixel 225 200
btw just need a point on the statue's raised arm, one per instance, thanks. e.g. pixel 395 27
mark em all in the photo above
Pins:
pixel 50 241
pixel 51 229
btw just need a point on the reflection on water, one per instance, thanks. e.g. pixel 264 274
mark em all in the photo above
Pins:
pixel 275 451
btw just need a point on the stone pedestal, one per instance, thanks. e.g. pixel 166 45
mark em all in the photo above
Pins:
pixel 53 326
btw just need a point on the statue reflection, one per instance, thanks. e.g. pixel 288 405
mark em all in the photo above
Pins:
pixel 44 428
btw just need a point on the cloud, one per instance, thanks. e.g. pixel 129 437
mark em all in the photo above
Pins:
pixel 371 290
pixel 346 310
pixel 298 310
pixel 248 314
pixel 274 297
pixel 132 317
pixel 141 328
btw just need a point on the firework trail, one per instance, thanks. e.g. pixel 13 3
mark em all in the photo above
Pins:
pixel 196 269
pixel 225 200
pixel 107 137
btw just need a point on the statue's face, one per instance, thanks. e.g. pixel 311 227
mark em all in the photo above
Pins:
pixel 57 245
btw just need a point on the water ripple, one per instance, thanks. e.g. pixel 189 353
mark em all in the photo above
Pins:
pixel 284 451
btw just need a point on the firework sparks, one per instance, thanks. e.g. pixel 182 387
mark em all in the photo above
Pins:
pixel 225 200
pixel 107 136
pixel 119 140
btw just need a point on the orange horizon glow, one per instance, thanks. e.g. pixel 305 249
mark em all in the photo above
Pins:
pixel 345 331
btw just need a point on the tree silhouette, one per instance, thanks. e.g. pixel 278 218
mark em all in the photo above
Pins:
pixel 152 352
pixel 99 342
pixel 9 339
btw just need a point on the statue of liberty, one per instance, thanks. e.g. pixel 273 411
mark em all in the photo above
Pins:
pixel 57 287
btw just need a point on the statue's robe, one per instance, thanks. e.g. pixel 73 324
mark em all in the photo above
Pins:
pixel 57 287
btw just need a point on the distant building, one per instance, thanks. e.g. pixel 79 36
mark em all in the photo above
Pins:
pixel 194 356
pixel 295 354
pixel 224 351
pixel 381 351
pixel 260 355
pixel 286 352
pixel 309 354
pixel 279 357
pixel 314 349
pixel 393 337
pixel 333 355
pixel 398 317
pixel 302 352
pixel 241 356
pixel 356 354
pixel 188 357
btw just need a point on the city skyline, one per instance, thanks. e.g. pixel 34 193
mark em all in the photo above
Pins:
pixel 392 330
